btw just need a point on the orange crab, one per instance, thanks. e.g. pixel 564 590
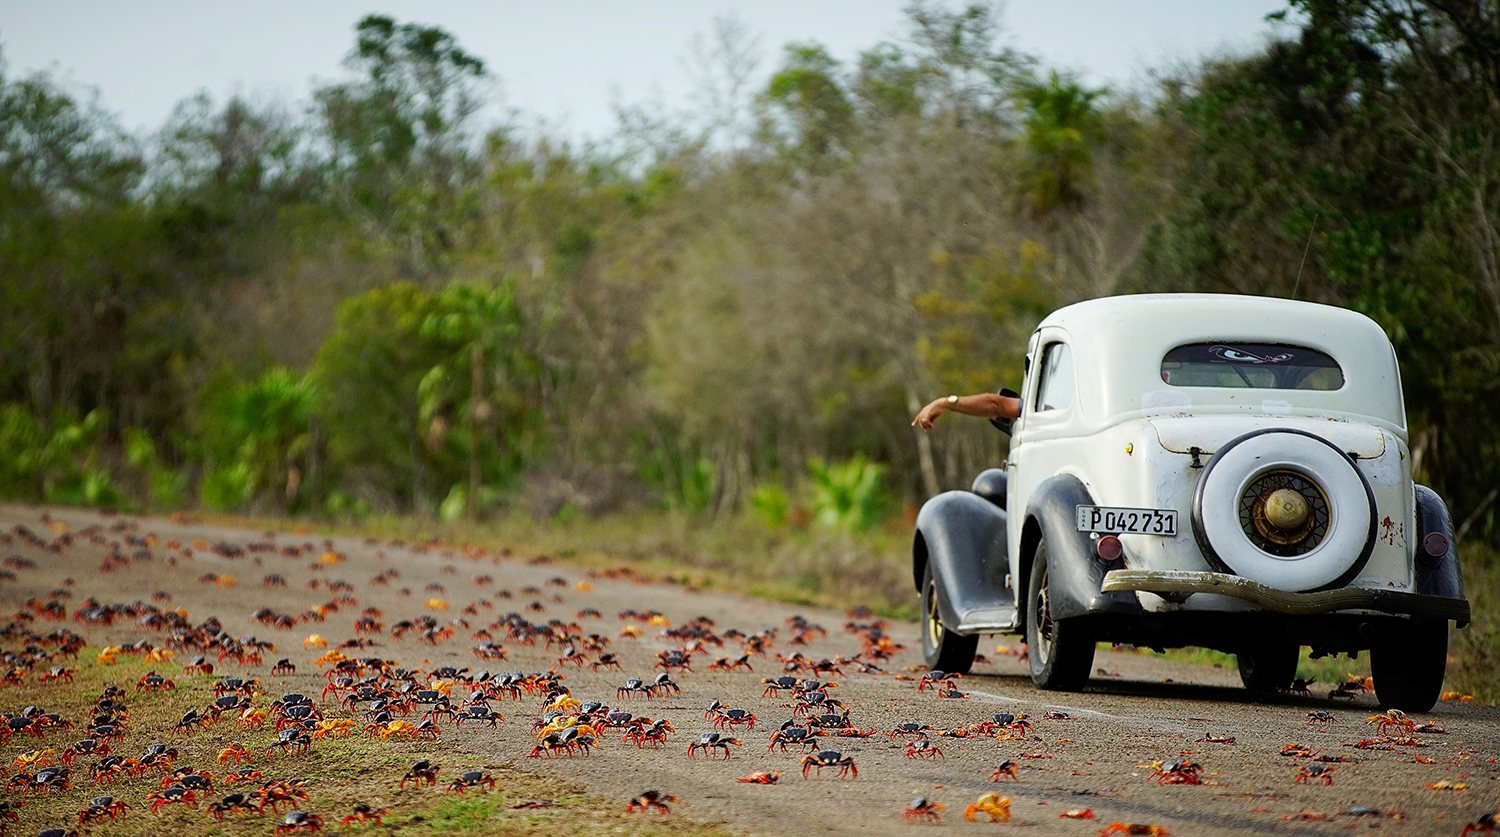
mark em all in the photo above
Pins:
pixel 761 778
pixel 337 728
pixel 235 751
pixel 1391 718
pixel 251 718
pixel 1134 828
pixel 398 729
pixel 997 806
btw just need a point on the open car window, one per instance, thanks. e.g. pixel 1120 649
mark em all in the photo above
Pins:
pixel 1251 366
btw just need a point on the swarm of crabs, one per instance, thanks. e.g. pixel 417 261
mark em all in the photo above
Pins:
pixel 256 722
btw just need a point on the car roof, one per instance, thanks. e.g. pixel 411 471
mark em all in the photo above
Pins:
pixel 1118 344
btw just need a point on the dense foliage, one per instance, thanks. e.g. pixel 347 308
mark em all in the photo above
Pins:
pixel 370 301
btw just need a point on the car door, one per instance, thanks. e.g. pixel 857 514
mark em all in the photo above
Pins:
pixel 1037 448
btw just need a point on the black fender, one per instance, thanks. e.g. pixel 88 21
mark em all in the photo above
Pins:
pixel 963 536
pixel 1437 575
pixel 1074 573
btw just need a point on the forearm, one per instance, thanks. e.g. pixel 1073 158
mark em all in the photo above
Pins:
pixel 983 405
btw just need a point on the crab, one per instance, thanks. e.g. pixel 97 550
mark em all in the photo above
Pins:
pixel 939 680
pixel 276 793
pixel 633 686
pixel 471 779
pixel 909 728
pixel 1391 718
pixel 299 821
pixel 251 718
pixel 398 729
pixel 761 777
pixel 153 682
pixel 726 664
pixel 1178 772
pixel 1487 823
pixel 708 742
pixel 422 771
pixel 1210 738
pixel 58 674
pixel 922 748
pixel 33 760
pixel 1315 773
pixel 284 667
pixel 923 809
pixel 198 665
pixel 363 813
pixel 663 684
pixel 1299 751
pixel 85 747
pixel 235 751
pixel 234 803
pixel 651 800
pixel 190 778
pixel 997 806
pixel 1134 828
pixel 479 713
pixel 731 718
pixel 653 734
pixel 830 758
pixel 1006 770
pixel 289 740
pixel 247 775
pixel 170 795
pixel 101 807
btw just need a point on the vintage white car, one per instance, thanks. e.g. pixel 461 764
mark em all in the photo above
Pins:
pixel 1219 471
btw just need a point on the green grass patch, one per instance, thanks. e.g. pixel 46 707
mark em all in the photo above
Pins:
pixel 340 772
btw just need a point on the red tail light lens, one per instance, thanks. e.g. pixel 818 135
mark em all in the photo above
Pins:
pixel 1108 548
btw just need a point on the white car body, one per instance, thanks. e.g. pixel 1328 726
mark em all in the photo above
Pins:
pixel 1128 436
pixel 1273 432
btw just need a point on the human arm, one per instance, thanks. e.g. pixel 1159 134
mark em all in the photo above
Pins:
pixel 983 405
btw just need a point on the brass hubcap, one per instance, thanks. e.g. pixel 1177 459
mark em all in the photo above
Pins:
pixel 1286 509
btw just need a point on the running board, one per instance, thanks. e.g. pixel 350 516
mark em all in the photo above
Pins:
pixel 990 620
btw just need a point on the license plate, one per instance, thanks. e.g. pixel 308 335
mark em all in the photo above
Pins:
pixel 1118 521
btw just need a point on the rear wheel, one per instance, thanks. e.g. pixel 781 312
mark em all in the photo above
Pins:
pixel 1408 669
pixel 1268 667
pixel 942 649
pixel 1061 650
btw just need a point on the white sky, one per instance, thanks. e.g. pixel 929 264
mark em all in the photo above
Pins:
pixel 563 62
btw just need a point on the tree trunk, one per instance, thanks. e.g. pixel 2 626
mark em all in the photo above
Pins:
pixel 924 446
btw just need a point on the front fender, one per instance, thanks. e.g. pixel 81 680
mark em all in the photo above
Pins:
pixel 1074 573
pixel 1436 575
pixel 963 536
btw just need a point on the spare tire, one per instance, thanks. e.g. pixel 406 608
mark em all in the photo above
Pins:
pixel 1287 509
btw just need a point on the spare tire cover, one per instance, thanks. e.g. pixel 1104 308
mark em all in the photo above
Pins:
pixel 1327 549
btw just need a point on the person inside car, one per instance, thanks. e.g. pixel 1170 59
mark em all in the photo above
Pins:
pixel 984 405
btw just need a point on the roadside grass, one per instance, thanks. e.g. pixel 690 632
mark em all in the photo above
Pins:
pixel 803 565
pixel 341 772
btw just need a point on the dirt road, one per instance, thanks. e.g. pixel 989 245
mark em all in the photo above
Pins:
pixel 1097 757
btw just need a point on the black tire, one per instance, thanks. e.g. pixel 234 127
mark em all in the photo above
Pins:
pixel 1061 650
pixel 1268 667
pixel 942 649
pixel 1408 668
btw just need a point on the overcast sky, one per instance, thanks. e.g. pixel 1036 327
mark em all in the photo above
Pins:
pixel 562 62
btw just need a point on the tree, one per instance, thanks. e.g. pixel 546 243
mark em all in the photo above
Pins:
pixel 400 138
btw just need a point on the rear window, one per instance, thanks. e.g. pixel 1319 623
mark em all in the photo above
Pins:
pixel 1252 366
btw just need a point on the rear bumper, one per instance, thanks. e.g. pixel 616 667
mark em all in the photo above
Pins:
pixel 1185 583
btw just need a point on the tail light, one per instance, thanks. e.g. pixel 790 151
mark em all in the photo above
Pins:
pixel 1109 548
pixel 1435 544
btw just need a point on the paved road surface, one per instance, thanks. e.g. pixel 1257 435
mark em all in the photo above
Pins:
pixel 1144 710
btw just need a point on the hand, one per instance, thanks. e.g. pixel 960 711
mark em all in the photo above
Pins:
pixel 929 414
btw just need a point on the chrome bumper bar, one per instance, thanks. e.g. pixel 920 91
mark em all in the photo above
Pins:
pixel 1183 582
